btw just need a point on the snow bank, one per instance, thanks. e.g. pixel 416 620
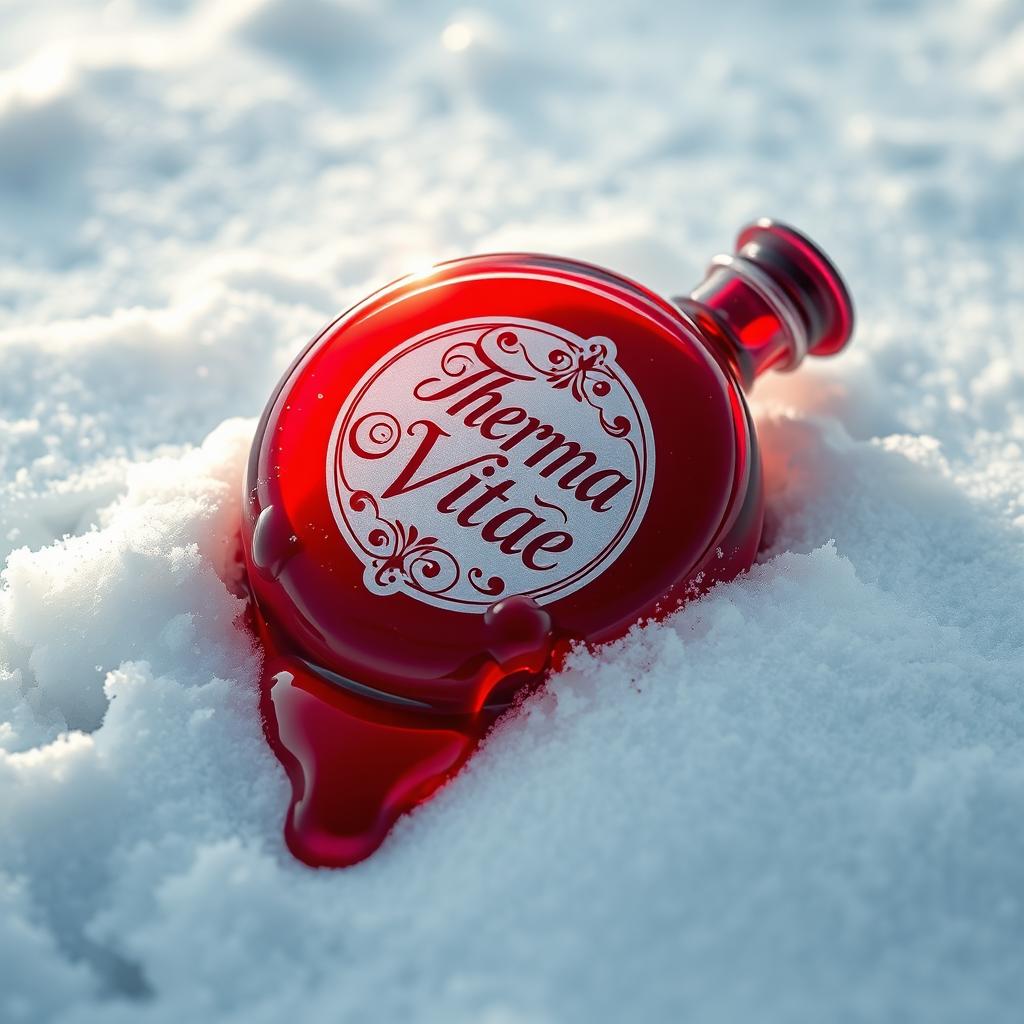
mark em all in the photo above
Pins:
pixel 798 799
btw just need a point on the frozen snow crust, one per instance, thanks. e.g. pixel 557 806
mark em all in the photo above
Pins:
pixel 796 800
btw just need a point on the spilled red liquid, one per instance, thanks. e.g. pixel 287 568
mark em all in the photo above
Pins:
pixel 358 759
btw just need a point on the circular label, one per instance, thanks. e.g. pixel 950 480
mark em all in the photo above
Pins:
pixel 490 457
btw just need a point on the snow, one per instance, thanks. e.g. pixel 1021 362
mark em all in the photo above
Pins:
pixel 798 799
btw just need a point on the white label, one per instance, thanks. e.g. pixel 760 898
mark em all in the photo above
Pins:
pixel 487 458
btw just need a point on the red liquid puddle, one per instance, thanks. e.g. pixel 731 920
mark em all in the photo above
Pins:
pixel 359 760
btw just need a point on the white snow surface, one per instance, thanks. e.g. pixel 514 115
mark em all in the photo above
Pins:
pixel 799 799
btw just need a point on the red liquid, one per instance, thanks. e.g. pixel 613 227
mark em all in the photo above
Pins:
pixel 421 543
pixel 356 762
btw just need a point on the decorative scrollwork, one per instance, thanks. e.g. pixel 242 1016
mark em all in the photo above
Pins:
pixel 493 586
pixel 400 556
pixel 582 370
pixel 375 435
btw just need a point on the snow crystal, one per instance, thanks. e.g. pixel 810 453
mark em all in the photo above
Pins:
pixel 795 800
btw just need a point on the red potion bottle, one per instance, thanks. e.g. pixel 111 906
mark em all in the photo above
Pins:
pixel 478 466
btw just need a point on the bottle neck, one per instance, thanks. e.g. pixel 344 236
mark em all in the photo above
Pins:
pixel 771 303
